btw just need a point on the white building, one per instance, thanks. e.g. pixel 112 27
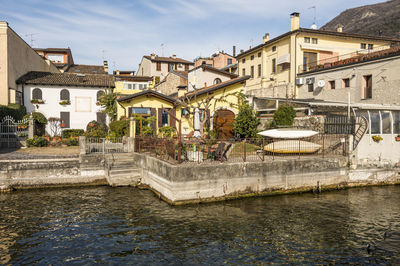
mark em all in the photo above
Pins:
pixel 205 76
pixel 71 97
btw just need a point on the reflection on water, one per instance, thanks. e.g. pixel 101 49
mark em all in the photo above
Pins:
pixel 127 225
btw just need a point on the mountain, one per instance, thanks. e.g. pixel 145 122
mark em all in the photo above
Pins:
pixel 378 19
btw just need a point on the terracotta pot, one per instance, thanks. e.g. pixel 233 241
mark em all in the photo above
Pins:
pixel 397 138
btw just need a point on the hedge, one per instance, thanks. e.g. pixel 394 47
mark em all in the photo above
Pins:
pixel 67 133
pixel 119 128
pixel 15 110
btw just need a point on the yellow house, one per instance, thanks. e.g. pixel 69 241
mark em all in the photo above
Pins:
pixel 217 106
pixel 274 64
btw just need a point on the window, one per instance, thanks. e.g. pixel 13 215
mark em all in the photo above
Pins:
pixel 252 71
pixel 375 122
pixel 259 70
pixel 307 39
pixel 310 87
pixel 101 118
pixel 58 58
pixel 99 94
pixel 314 41
pixel 274 65
pixel 158 66
pixel 176 66
pixel 140 86
pixel 363 46
pixel 273 48
pixel 129 86
pixel 370 46
pixel 170 67
pixel 396 122
pixel 243 72
pixel 252 57
pixel 140 111
pixel 217 81
pixel 202 114
pixel 229 61
pixel 37 94
pixel 345 83
pixel 386 122
pixel 244 60
pixel 144 86
pixel 259 54
pixel 331 85
pixel 64 116
pixel 64 95
pixel 186 67
pixel 367 87
pixel 164 118
pixel 184 112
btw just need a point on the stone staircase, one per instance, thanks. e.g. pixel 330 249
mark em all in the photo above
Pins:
pixel 120 170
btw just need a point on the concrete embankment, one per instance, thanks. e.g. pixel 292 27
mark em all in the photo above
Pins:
pixel 214 182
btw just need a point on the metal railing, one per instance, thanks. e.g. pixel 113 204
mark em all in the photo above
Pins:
pixel 106 145
pixel 354 57
pixel 242 150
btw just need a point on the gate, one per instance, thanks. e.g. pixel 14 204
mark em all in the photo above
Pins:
pixel 339 125
pixel 11 132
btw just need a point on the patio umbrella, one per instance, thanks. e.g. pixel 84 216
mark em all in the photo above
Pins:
pixel 287 133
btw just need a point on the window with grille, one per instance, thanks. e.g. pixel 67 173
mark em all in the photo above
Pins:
pixel 64 95
pixel 37 94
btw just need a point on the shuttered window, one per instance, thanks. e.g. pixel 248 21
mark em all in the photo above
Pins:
pixel 99 94
pixel 101 118
pixel 64 95
pixel 37 94
pixel 64 116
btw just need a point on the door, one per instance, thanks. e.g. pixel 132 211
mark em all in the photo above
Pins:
pixel 223 124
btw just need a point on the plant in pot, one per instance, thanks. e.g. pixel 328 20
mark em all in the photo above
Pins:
pixel 65 102
pixel 377 138
pixel 397 138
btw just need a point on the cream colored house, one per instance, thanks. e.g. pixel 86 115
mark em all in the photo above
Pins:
pixel 159 67
pixel 275 64
pixel 205 76
pixel 16 59
pixel 174 79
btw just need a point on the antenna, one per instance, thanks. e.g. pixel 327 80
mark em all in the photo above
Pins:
pixel 31 35
pixel 103 52
pixel 315 16
pixel 162 49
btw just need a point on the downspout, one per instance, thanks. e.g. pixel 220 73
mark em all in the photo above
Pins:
pixel 295 64
pixel 122 108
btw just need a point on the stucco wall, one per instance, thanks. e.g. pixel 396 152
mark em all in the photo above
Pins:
pixel 170 84
pixel 52 108
pixel 205 78
pixel 19 58
pixel 385 152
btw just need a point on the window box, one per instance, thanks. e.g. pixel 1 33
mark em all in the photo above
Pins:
pixel 377 139
pixel 65 102
pixel 62 125
pixel 37 101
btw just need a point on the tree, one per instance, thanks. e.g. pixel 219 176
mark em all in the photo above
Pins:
pixel 55 126
pixel 246 122
pixel 206 103
pixel 109 101
pixel 284 116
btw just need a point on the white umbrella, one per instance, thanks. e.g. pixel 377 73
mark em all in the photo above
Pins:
pixel 196 123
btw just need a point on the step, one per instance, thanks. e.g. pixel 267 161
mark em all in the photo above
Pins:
pixel 124 171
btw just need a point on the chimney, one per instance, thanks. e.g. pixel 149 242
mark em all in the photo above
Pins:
pixel 105 63
pixel 339 28
pixel 117 72
pixel 266 38
pixel 294 21
pixel 234 51
pixel 241 50
pixel 182 89
pixel 174 56
pixel 153 56
pixel 205 84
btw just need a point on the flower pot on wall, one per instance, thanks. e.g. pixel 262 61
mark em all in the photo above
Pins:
pixel 397 138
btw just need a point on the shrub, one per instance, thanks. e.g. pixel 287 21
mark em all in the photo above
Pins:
pixel 95 130
pixel 167 131
pixel 37 118
pixel 73 141
pixel 14 110
pixel 147 131
pixel 246 122
pixel 37 141
pixel 67 133
pixel 284 116
pixel 119 128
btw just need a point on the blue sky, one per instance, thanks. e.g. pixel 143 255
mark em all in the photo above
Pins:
pixel 123 31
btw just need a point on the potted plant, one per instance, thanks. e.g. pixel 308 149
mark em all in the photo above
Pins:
pixel 397 138
pixel 377 138
pixel 62 125
pixel 65 102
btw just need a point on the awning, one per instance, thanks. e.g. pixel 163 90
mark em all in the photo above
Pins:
pixel 283 59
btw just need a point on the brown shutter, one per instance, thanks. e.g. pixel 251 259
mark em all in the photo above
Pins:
pixel 129 111
pixel 159 117
pixel 153 124
pixel 207 123
pixel 101 118
pixel 172 121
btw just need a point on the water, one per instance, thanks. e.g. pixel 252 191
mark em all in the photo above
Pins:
pixel 130 226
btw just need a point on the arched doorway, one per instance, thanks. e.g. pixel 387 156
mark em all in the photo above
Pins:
pixel 223 123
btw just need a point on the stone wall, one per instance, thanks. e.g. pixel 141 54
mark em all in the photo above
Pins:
pixel 314 122
pixel 209 182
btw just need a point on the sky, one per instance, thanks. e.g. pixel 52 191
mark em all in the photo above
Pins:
pixel 122 31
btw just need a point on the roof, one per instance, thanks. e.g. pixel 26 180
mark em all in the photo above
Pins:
pixel 321 32
pixel 182 74
pixel 215 70
pixel 133 78
pixel 86 69
pixel 387 53
pixel 66 79
pixel 149 93
pixel 56 50
pixel 168 59
pixel 217 86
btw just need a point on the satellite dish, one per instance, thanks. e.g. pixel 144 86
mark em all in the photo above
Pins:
pixel 314 27
pixel 321 83
pixel 193 81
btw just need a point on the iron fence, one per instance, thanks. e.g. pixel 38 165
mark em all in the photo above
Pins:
pixel 106 145
pixel 242 150
pixel 11 132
